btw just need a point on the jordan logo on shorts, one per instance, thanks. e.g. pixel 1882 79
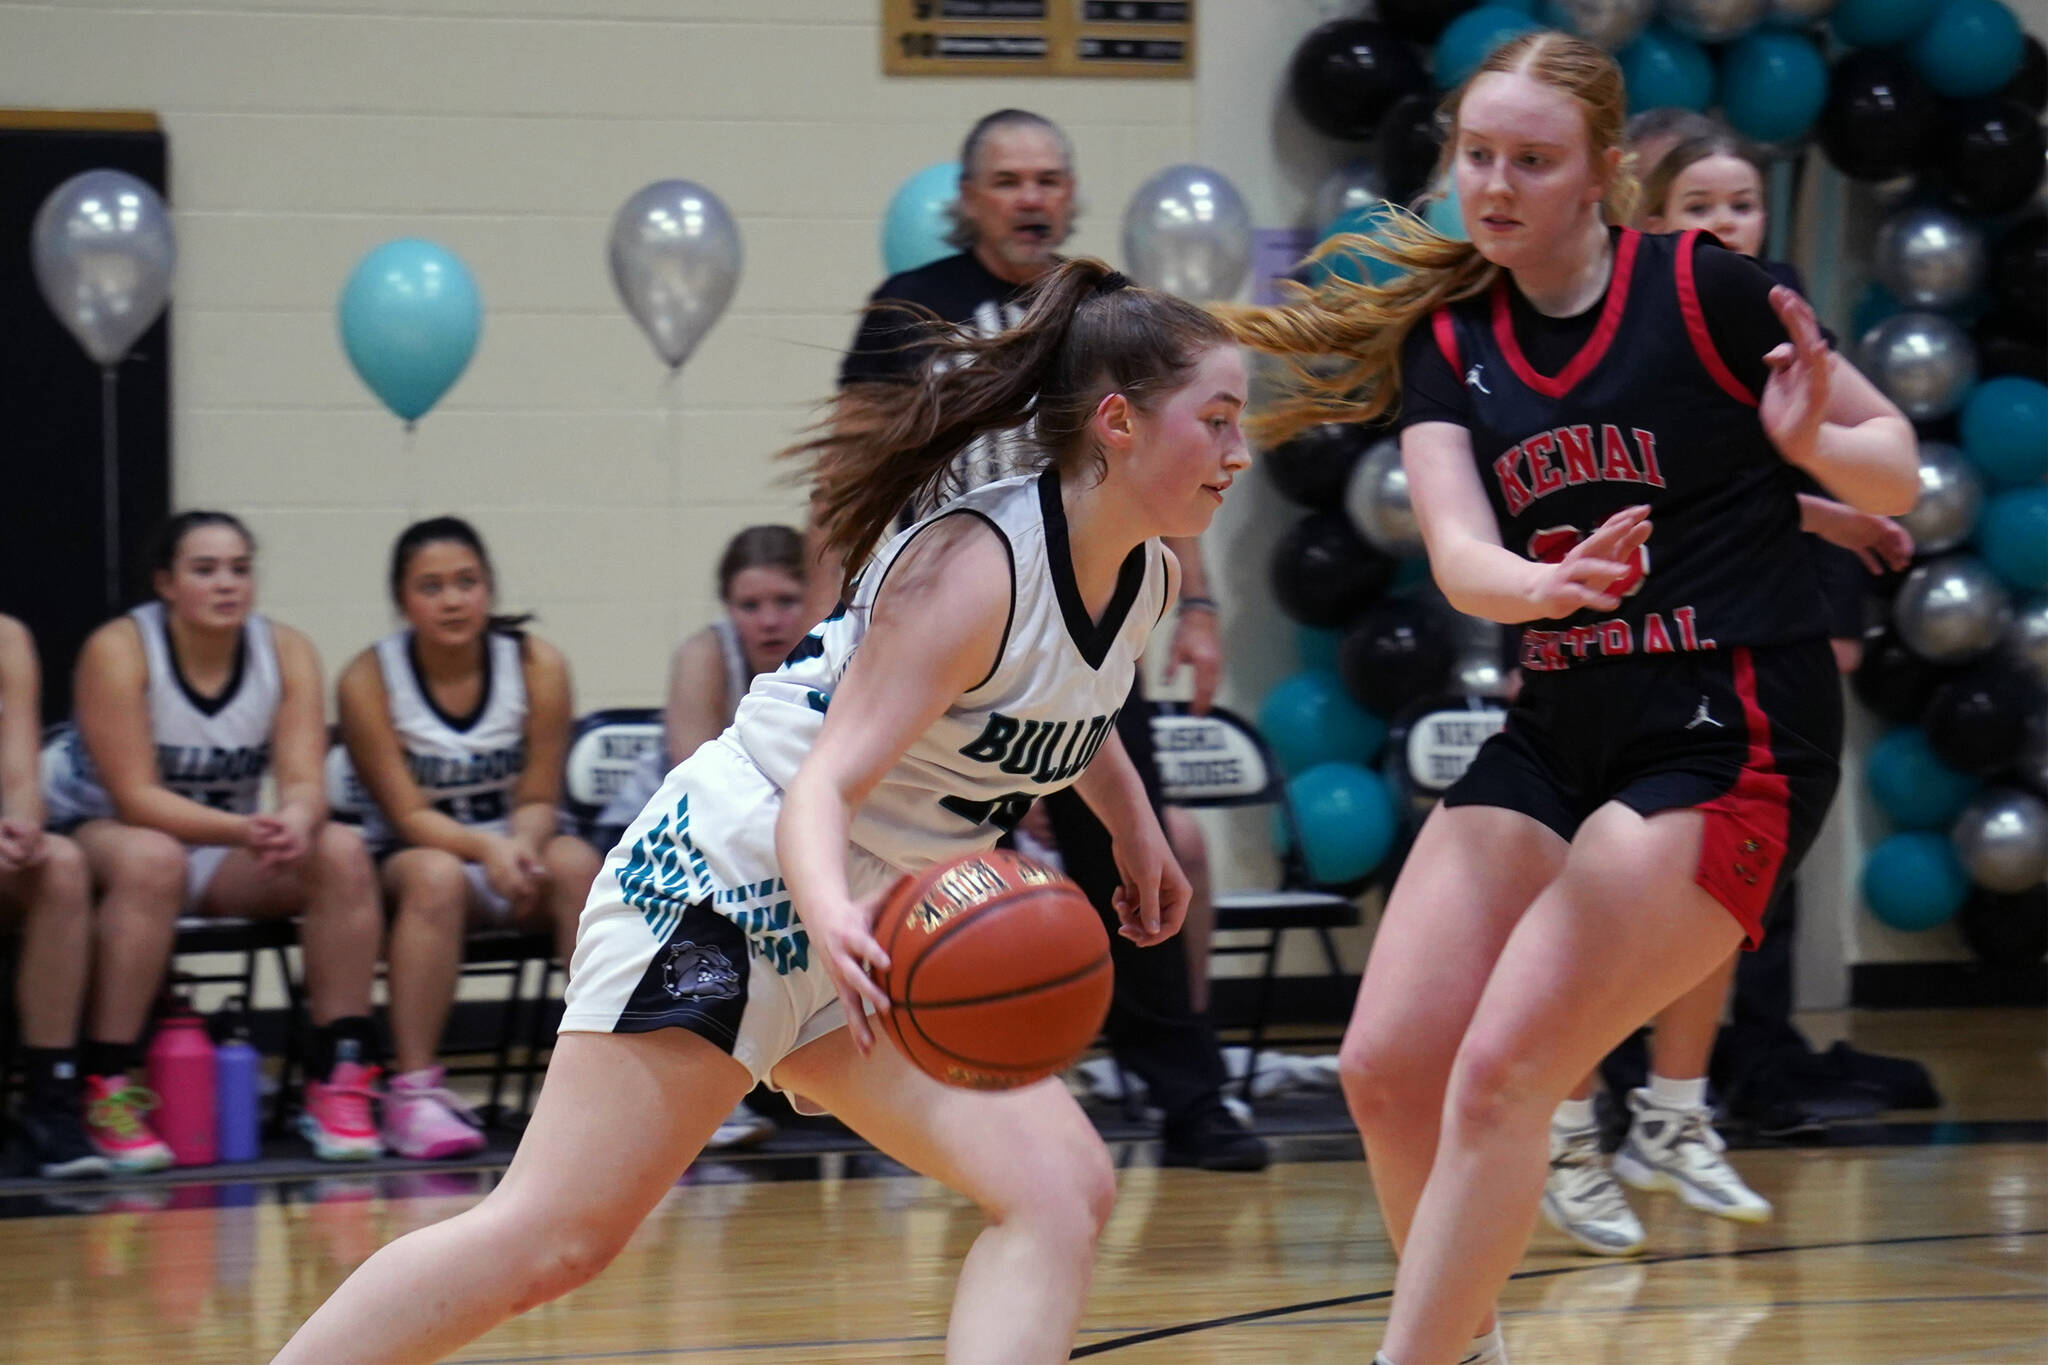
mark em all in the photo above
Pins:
pixel 1474 380
pixel 1700 717
pixel 699 972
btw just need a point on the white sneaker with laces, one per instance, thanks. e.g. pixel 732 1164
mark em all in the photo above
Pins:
pixel 1581 1200
pixel 1679 1151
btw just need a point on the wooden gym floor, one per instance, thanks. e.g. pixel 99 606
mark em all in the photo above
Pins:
pixel 1918 1239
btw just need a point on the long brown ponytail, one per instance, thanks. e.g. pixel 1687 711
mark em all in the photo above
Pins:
pixel 1086 332
pixel 1341 343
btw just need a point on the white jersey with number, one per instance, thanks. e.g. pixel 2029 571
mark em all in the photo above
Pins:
pixel 216 751
pixel 1030 727
pixel 465 766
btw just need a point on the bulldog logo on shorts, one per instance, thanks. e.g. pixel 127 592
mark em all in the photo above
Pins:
pixel 699 972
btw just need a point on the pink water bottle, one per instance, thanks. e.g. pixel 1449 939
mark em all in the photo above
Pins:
pixel 182 1071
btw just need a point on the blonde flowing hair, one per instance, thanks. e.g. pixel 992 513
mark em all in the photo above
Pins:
pixel 1341 342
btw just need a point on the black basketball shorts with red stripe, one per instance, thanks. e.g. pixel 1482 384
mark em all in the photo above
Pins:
pixel 1750 737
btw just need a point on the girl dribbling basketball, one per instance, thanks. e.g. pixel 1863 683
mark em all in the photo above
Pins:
pixel 728 938
pixel 1600 431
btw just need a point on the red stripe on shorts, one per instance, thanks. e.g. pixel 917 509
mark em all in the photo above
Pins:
pixel 1743 848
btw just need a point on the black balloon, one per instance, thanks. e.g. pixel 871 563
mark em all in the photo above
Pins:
pixel 1421 21
pixel 1407 145
pixel 1324 573
pixel 1314 468
pixel 2006 931
pixel 2010 344
pixel 2019 270
pixel 1892 680
pixel 1977 721
pixel 1346 74
pixel 2029 85
pixel 1878 117
pixel 1399 651
pixel 1986 156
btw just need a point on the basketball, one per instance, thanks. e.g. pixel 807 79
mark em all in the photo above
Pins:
pixel 998 973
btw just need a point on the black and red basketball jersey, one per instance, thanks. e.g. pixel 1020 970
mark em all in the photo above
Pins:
pixel 1646 411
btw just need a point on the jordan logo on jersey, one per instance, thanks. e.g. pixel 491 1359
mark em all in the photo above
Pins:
pixel 1565 457
pixel 1041 751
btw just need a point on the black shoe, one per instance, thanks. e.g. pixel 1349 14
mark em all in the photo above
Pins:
pixel 1212 1140
pixel 57 1146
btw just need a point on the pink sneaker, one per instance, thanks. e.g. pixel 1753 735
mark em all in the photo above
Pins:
pixel 114 1122
pixel 337 1118
pixel 425 1121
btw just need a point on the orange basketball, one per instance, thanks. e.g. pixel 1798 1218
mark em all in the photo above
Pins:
pixel 998 970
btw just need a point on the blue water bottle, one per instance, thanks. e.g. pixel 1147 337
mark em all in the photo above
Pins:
pixel 239 1092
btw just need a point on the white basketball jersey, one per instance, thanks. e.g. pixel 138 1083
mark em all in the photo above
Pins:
pixel 1030 727
pixel 738 677
pixel 215 752
pixel 466 766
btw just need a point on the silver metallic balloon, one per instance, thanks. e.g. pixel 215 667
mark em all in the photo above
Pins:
pixel 1797 11
pixel 1923 362
pixel 1353 185
pixel 1953 609
pixel 1929 257
pixel 2002 838
pixel 1478 670
pixel 1377 499
pixel 1951 495
pixel 1187 231
pixel 2027 638
pixel 103 253
pixel 1613 24
pixel 1712 21
pixel 675 256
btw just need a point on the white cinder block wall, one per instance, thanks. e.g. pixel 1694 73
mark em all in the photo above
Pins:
pixel 304 132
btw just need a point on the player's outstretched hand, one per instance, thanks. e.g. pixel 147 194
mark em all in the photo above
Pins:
pixel 1584 577
pixel 843 937
pixel 1153 900
pixel 1795 398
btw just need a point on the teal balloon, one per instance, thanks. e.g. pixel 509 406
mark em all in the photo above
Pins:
pixel 409 317
pixel 1664 69
pixel 1773 85
pixel 1344 821
pixel 1914 881
pixel 1354 266
pixel 1881 23
pixel 1443 212
pixel 2005 430
pixel 1310 718
pixel 1913 788
pixel 1318 647
pixel 2012 535
pixel 1410 574
pixel 1471 38
pixel 1873 305
pixel 1970 48
pixel 915 225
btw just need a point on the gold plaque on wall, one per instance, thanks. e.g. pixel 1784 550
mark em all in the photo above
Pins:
pixel 1121 38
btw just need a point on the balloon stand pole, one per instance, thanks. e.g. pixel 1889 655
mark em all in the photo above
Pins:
pixel 408 454
pixel 672 432
pixel 110 480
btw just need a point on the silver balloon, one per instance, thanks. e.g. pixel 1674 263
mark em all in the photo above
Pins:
pixel 1353 185
pixel 1377 499
pixel 1478 671
pixel 2027 638
pixel 103 252
pixel 2002 838
pixel 1613 24
pixel 1929 257
pixel 1712 21
pixel 1953 609
pixel 1797 11
pixel 1922 361
pixel 675 255
pixel 1187 231
pixel 1951 495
